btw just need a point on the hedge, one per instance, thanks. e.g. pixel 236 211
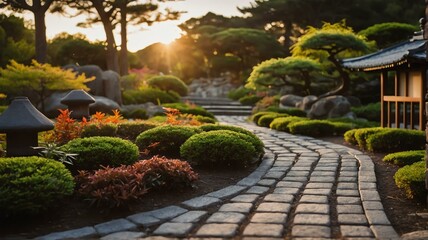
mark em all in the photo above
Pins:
pixel 411 178
pixel 405 158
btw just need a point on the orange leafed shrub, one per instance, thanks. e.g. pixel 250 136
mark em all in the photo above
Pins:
pixel 175 117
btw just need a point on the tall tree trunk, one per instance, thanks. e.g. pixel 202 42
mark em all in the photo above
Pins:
pixel 343 88
pixel 124 44
pixel 41 44
pixel 112 56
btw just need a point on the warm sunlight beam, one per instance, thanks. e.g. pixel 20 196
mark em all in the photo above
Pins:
pixel 166 32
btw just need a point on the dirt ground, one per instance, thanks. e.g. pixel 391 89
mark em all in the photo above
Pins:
pixel 405 215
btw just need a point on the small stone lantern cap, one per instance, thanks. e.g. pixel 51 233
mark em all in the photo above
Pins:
pixel 21 115
pixel 77 97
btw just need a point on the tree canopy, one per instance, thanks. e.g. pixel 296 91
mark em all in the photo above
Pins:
pixel 295 72
pixel 42 79
pixel 386 34
pixel 330 44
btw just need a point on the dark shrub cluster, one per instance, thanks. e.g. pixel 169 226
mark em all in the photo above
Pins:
pixel 249 100
pixel 30 185
pixel 92 130
pixel 131 129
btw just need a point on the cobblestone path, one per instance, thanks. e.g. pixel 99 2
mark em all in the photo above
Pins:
pixel 304 189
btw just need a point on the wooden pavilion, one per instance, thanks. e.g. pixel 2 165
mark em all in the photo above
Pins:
pixel 403 82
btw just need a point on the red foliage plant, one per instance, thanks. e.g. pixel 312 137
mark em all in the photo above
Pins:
pixel 67 129
pixel 117 186
pixel 175 117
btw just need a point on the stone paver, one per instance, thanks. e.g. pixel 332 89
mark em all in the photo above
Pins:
pixel 304 188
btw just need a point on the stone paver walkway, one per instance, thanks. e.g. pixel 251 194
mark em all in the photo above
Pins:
pixel 304 189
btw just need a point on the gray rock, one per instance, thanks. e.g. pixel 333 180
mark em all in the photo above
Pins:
pixel 84 232
pixel 330 107
pixel 290 100
pixel 307 102
pixel 103 104
pixel 111 82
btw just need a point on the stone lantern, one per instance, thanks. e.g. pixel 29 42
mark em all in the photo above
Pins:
pixel 21 122
pixel 78 103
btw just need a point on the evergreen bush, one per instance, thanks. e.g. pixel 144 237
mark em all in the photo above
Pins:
pixel 349 137
pixel 165 140
pixel 266 120
pixel 362 134
pixel 131 129
pixel 396 140
pixel 219 149
pixel 30 185
pixel 94 129
pixel 168 83
pixel 152 95
pixel 249 100
pixel 281 123
pixel 94 152
pixel 411 178
pixel 370 111
pixel 313 128
pixel 405 158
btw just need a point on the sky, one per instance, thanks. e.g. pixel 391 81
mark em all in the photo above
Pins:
pixel 142 36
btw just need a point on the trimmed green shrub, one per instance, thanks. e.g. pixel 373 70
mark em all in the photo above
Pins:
pixel 165 140
pixel 185 108
pixel 254 140
pixel 341 127
pixel 139 113
pixel 131 129
pixel 219 149
pixel 281 123
pixel 168 83
pixel 411 178
pixel 349 137
pixel 203 119
pixel 313 128
pixel 290 111
pixel 370 112
pixel 396 140
pixel 94 152
pixel 255 117
pixel 157 120
pixel 238 93
pixel 94 129
pixel 113 187
pixel 250 100
pixel 267 119
pixel 405 158
pixel 145 95
pixel 356 123
pixel 362 134
pixel 30 185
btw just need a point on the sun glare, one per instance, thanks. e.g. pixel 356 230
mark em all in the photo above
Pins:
pixel 167 32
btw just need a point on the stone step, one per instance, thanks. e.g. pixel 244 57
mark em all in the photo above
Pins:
pixel 220 106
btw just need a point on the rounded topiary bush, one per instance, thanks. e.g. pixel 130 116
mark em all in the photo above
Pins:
pixel 313 128
pixel 249 100
pixel 152 95
pixel 255 141
pixel 362 134
pixel 281 123
pixel 219 149
pixel 165 140
pixel 396 140
pixel 290 111
pixel 411 178
pixel 30 185
pixel 256 116
pixel 131 129
pixel 93 130
pixel 349 137
pixel 266 120
pixel 169 83
pixel 405 158
pixel 94 152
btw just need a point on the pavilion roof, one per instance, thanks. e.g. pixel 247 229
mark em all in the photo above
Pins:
pixel 401 53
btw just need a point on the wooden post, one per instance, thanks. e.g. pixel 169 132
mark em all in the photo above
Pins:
pixel 425 34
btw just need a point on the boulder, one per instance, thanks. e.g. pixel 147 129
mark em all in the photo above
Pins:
pixel 290 100
pixel 111 81
pixel 96 86
pixel 103 104
pixel 307 102
pixel 330 107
